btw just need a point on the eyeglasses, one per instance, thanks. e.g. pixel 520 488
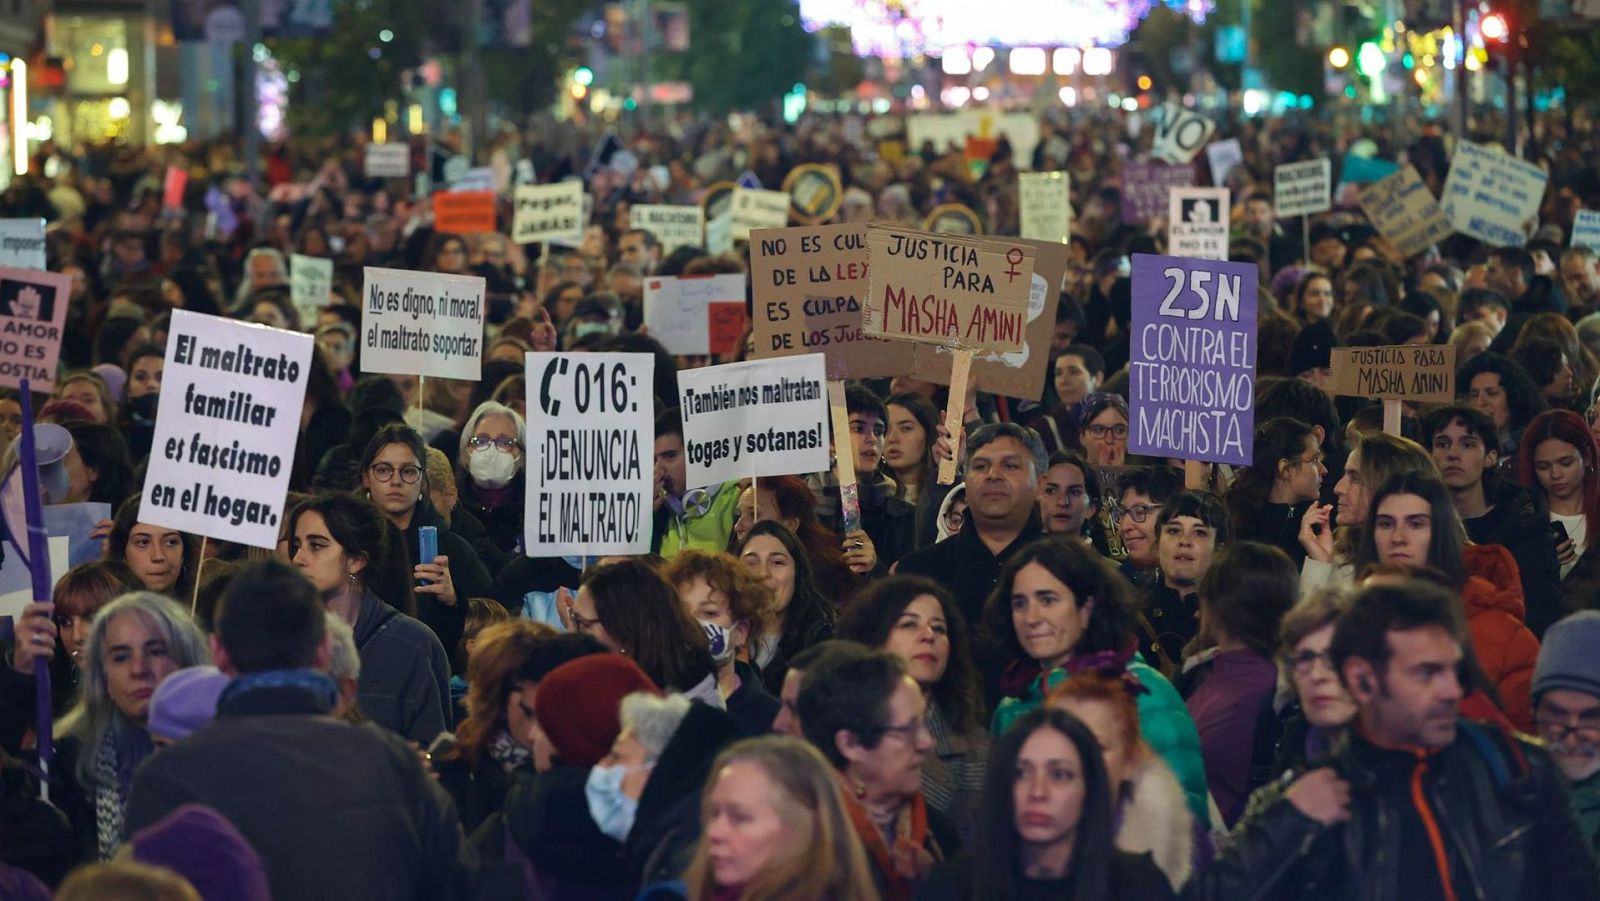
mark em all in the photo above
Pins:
pixel 1555 731
pixel 1138 512
pixel 384 472
pixel 1099 432
pixel 910 731
pixel 1306 661
pixel 955 517
pixel 479 442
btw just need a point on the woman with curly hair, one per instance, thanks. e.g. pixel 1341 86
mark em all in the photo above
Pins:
pixel 732 605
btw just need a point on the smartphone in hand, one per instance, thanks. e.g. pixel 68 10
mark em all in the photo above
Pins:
pixel 427 546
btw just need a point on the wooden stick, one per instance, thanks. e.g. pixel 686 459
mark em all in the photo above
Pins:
pixel 1391 418
pixel 755 498
pixel 1196 475
pixel 421 386
pixel 844 457
pixel 1305 236
pixel 199 570
pixel 955 411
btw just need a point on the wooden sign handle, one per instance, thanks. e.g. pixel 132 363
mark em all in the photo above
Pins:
pixel 1391 418
pixel 1196 475
pixel 844 457
pixel 955 411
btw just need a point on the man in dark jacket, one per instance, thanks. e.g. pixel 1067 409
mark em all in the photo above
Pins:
pixel 334 810
pixel 1414 803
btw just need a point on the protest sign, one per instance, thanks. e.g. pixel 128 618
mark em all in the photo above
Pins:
pixel 1192 359
pixel 1407 372
pixel 33 313
pixel 584 218
pixel 388 160
pixel 944 130
pixel 547 212
pixel 310 284
pixel 1363 170
pixel 1180 133
pixel 948 289
pixel 1145 187
pixel 1046 206
pixel 226 428
pixel 16 580
pixel 463 212
pixel 1491 195
pixel 716 204
pixel 172 188
pixel 481 178
pixel 590 455
pixel 22 243
pixel 815 192
pixel 1586 229
pixel 1301 189
pixel 1197 223
pixel 809 284
pixel 1404 211
pixel 953 219
pixel 1223 156
pixel 422 323
pixel 755 208
pixel 695 314
pixel 673 226
pixel 754 419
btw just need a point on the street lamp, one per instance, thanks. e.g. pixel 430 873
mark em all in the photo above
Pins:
pixel 1338 57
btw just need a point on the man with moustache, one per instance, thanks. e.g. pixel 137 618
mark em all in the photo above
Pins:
pixel 1566 711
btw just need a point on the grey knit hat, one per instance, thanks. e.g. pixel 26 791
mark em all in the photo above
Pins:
pixel 1570 657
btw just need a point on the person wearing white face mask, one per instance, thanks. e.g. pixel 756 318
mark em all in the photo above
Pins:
pixel 645 794
pixel 493 448
pixel 732 605
pixel 1566 712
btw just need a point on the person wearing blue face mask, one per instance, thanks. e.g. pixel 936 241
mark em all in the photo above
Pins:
pixel 732 606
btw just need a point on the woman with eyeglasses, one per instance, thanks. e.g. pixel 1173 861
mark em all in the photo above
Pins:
pixel 1103 429
pixel 394 479
pixel 952 513
pixel 492 458
pixel 447 253
pixel 1559 454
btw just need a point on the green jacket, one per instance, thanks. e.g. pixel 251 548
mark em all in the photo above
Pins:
pixel 704 527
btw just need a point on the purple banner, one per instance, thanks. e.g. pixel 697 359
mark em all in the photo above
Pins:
pixel 1145 186
pixel 1192 359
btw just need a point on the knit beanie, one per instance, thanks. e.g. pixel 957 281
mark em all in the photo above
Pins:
pixel 1568 659
pixel 185 701
pixel 578 705
pixel 200 845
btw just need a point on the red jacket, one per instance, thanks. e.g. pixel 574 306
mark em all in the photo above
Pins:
pixel 1505 647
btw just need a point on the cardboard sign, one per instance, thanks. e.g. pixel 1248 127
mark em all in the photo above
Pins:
pixel 1223 157
pixel 310 286
pixel 1180 134
pixel 22 243
pixel 1491 195
pixel 422 323
pixel 547 212
pixel 695 315
pixel 953 219
pixel 33 314
pixel 753 208
pixel 1586 229
pixel 1300 189
pixel 809 286
pixel 944 130
pixel 590 468
pixel 1404 211
pixel 463 212
pixel 1046 206
pixel 815 192
pixel 948 289
pixel 760 418
pixel 1192 359
pixel 226 428
pixel 1197 223
pixel 1145 187
pixel 673 226
pixel 1418 373
pixel 1020 374
pixel 388 160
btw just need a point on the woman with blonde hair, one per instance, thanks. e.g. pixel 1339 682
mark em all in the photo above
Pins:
pixel 1330 533
pixel 774 826
pixel 1558 329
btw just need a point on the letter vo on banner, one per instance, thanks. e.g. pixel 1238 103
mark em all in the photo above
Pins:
pixel 310 286
pixel 1491 195
pixel 1045 206
pixel 33 314
pixel 1420 374
pixel 1180 133
pixel 1192 359
pixel 547 212
pixel 226 428
pixel 22 243
pixel 388 160
pixel 695 314
pixel 1404 211
pixel 673 226
pixel 422 323
pixel 1197 223
pixel 952 290
pixel 590 454
pixel 761 418
pixel 1300 189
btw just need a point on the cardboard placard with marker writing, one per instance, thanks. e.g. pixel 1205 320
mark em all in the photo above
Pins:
pixel 950 290
pixel 1407 372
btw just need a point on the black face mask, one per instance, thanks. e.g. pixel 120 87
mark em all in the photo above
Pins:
pixel 142 410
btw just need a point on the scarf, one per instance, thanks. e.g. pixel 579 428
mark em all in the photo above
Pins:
pixel 120 753
pixel 1021 674
pixel 318 684
pixel 510 755
pixel 908 861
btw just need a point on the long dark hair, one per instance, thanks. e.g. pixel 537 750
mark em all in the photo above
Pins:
pixel 1447 536
pixel 872 616
pixel 640 610
pixel 797 501
pixel 1276 440
pixel 997 850
pixel 1524 400
pixel 102 449
pixel 1563 425
pixel 927 416
pixel 408 438
pixel 362 531
pixel 122 524
pixel 1088 575
pixel 808 607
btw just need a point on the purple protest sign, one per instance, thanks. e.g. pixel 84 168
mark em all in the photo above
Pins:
pixel 1192 359
pixel 1145 187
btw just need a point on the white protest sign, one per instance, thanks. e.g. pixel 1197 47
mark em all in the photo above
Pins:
pixel 1180 134
pixel 226 428
pixel 1046 207
pixel 590 454
pixel 761 418
pixel 547 212
pixel 673 226
pixel 478 179
pixel 583 223
pixel 1586 229
pixel 310 284
pixel 1300 189
pixel 719 234
pixel 1197 223
pixel 754 208
pixel 422 323
pixel 1491 195
pixel 388 160
pixel 695 314
pixel 33 315
pixel 1223 156
pixel 22 243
